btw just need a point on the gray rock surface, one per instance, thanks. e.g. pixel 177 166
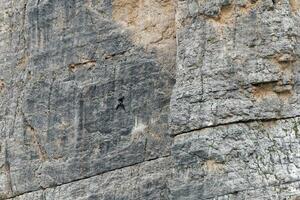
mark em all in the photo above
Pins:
pixel 237 161
pixel 132 99
pixel 237 61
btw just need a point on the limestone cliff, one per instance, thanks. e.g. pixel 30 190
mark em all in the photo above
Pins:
pixel 149 99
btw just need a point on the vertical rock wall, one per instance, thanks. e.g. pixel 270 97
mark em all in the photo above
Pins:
pixel 149 99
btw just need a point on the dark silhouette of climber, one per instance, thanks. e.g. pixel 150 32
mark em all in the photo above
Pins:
pixel 120 103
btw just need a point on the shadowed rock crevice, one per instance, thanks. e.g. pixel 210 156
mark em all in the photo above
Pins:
pixel 2 85
pixel 272 90
pixel 86 64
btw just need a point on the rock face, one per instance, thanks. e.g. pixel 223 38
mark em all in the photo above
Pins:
pixel 149 99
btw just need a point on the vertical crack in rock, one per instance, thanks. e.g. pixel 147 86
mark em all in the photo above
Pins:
pixel 36 142
pixel 7 171
pixel 23 61
pixel 35 139
pixel 79 120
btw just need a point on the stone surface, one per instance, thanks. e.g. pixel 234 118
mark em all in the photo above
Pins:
pixel 236 161
pixel 243 65
pixel 257 160
pixel 149 99
pixel 143 181
pixel 79 98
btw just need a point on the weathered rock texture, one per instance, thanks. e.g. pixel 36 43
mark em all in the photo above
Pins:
pixel 149 99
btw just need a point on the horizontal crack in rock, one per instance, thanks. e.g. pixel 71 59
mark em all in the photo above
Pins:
pixel 88 64
pixel 235 122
